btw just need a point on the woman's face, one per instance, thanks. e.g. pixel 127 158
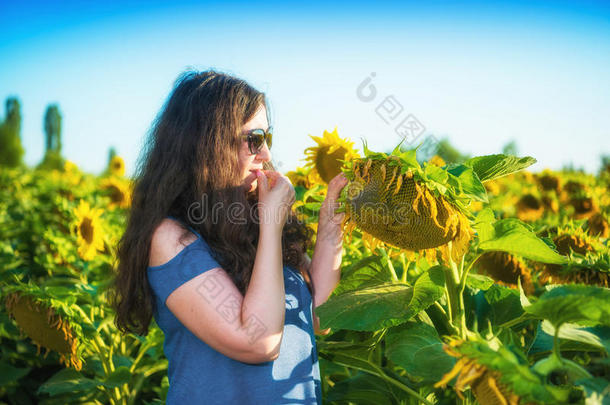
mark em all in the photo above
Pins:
pixel 248 162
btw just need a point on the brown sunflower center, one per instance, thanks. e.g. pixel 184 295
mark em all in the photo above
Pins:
pixel 86 229
pixel 566 242
pixel 550 183
pixel 116 195
pixel 329 165
pixel 531 202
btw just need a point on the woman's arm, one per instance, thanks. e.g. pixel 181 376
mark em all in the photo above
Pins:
pixel 323 282
pixel 247 329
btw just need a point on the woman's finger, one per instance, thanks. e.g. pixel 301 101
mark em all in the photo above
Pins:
pixel 262 183
pixel 335 186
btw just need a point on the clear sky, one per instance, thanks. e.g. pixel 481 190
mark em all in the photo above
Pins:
pixel 479 73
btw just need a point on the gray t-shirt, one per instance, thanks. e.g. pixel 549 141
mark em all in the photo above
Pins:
pixel 198 374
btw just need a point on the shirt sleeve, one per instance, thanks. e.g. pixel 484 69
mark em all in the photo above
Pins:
pixel 190 262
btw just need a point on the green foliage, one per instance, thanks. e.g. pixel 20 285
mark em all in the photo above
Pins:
pixel 579 304
pixel 495 166
pixel 40 260
pixel 514 236
pixel 51 161
pixel 417 348
pixel 381 305
pixel 385 344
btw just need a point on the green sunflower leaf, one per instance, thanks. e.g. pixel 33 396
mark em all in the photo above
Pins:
pixel 495 166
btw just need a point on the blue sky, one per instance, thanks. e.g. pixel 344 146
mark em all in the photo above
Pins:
pixel 479 73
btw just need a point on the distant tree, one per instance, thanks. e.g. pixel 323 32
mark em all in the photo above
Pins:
pixel 52 129
pixel 510 148
pixel 605 163
pixel 111 154
pixel 11 151
pixel 431 146
pixel 445 150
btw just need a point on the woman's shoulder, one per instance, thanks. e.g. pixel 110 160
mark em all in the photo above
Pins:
pixel 168 240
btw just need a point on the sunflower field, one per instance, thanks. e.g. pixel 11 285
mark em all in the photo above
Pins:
pixel 461 283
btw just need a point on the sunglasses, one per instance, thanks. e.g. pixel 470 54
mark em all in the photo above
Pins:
pixel 257 137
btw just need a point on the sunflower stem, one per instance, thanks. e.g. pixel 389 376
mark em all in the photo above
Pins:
pixel 556 343
pixel 465 273
pixel 455 293
pixel 403 276
pixel 390 265
pixel 143 349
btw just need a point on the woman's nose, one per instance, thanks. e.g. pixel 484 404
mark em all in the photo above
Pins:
pixel 264 154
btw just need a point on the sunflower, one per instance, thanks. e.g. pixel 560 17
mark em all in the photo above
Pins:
pixel 575 187
pixel 493 187
pixel 88 230
pixel 45 327
pixel 529 208
pixel 588 263
pixel 594 269
pixel 550 203
pixel 116 166
pixel 598 225
pixel 584 207
pixel 436 160
pixel 495 373
pixel 391 203
pixel 526 176
pixel 567 243
pixel 301 177
pixel 506 269
pixel 118 192
pixel 549 181
pixel 69 166
pixel 327 157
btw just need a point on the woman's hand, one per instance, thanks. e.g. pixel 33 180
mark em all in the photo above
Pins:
pixel 329 222
pixel 275 198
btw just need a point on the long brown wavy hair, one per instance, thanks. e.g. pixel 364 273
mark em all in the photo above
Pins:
pixel 189 165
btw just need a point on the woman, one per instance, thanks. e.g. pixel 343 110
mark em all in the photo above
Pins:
pixel 213 251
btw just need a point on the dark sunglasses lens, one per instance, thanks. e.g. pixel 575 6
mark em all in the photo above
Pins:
pixel 256 141
pixel 269 136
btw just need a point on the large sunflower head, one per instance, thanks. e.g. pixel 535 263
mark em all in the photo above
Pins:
pixel 394 201
pixel 328 156
pixel 88 230
pixel 506 269
pixel 46 327
pixel 118 190
pixel 116 166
